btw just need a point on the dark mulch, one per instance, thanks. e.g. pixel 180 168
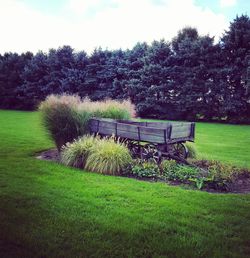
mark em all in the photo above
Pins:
pixel 50 155
pixel 240 185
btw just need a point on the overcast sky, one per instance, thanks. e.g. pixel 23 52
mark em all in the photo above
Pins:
pixel 32 25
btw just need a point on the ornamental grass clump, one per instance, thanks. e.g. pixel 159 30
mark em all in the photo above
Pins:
pixel 109 108
pixel 62 119
pixel 108 157
pixel 66 117
pixel 192 151
pixel 76 153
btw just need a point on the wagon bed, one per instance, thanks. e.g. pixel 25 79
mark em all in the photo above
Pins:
pixel 160 137
pixel 155 132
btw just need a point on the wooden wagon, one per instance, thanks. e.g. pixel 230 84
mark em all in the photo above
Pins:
pixel 148 140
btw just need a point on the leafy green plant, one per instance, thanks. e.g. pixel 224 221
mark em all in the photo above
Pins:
pixel 108 157
pixel 168 166
pixel 219 175
pixel 200 181
pixel 173 171
pixel 145 169
pixel 76 153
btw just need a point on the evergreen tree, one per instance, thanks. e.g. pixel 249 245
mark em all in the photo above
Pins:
pixel 35 78
pixel 11 68
pixel 236 47
pixel 188 78
pixel 193 75
pixel 73 79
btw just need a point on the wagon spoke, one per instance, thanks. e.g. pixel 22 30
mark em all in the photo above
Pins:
pixel 134 148
pixel 149 152
pixel 180 150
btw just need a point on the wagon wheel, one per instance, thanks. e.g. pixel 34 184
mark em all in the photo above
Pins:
pixel 134 148
pixel 150 152
pixel 180 150
pixel 121 140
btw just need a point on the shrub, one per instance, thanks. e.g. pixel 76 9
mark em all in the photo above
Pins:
pixel 222 175
pixel 62 119
pixel 145 169
pixel 75 154
pixel 168 166
pixel 219 175
pixel 192 151
pixel 108 157
pixel 173 171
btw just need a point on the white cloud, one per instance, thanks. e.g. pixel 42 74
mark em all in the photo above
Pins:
pixel 110 24
pixel 227 3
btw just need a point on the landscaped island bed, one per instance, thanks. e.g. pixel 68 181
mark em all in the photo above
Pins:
pixel 49 210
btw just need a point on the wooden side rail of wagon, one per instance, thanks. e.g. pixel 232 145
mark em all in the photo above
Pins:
pixel 148 140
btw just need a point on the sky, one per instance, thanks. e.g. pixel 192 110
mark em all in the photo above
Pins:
pixel 38 25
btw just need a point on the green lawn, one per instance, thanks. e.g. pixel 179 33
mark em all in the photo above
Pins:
pixel 48 210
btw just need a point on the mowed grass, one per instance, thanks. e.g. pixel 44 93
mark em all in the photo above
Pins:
pixel 224 142
pixel 48 210
pixel 227 143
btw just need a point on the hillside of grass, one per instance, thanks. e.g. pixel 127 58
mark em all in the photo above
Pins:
pixel 48 210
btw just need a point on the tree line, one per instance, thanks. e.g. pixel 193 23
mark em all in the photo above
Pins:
pixel 189 78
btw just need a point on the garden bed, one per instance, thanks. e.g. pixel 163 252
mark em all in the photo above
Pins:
pixel 240 185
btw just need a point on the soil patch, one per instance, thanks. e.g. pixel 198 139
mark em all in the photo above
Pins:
pixel 50 155
pixel 240 185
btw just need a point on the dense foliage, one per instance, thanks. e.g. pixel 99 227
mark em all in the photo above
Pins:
pixel 66 117
pixel 97 155
pixel 201 174
pixel 190 77
pixel 62 118
pixel 108 157
pixel 144 169
pixel 76 153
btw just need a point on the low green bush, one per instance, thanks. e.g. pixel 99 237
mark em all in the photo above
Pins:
pixel 221 171
pixel 108 157
pixel 173 171
pixel 76 153
pixel 222 175
pixel 218 175
pixel 168 166
pixel 145 169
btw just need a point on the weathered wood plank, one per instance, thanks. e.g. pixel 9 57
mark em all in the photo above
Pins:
pixel 152 130
pixel 129 135
pixel 105 124
pixel 151 138
pixel 132 122
pixel 156 132
pixel 181 131
pixel 160 125
pixel 127 128
pixel 107 131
